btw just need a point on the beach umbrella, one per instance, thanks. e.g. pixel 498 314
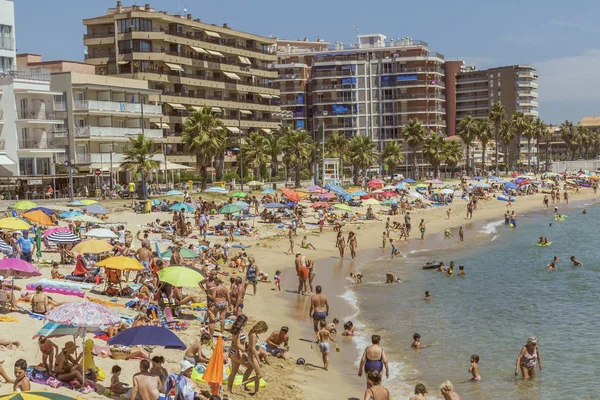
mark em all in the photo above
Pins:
pixel 216 189
pixel 45 210
pixel 400 185
pixel 174 193
pixel 96 209
pixel 39 217
pixel 242 204
pixel 254 183
pixel 510 185
pixel 70 214
pixel 359 193
pixel 5 247
pixel 482 185
pixel 371 202
pixel 389 187
pixel 290 194
pixel 92 246
pixel 101 233
pixel 446 191
pixel 87 218
pixel 63 237
pixel 319 204
pixel 148 336
pixel 35 396
pixel 83 314
pixel 121 263
pixel 387 202
pixel 180 276
pixel 214 370
pixel 327 196
pixel 14 224
pixel 87 202
pixel 312 188
pixel 389 194
pixel 343 207
pixel 376 182
pixel 23 205
pixel 182 206
pixel 54 330
pixel 50 231
pixel 408 180
pixel 274 205
pixel 76 203
pixel 268 191
pixel 422 186
pixel 230 209
pixel 18 267
pixel 415 195
pixel 185 253
pixel 239 194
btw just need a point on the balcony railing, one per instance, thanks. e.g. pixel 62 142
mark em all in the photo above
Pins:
pixel 7 43
pixel 460 81
pixel 114 106
pixel 224 79
pixel 27 73
pixel 289 76
pixel 35 114
pixel 111 132
pixel 44 141
pixel 420 83
pixel 195 95
pixel 332 74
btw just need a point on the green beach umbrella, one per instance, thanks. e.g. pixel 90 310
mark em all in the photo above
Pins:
pixel 86 218
pixel 230 209
pixel 239 194
pixel 180 276
pixel 185 253
pixel 343 207
pixel 24 205
pixel 422 185
pixel 87 202
pixel 387 202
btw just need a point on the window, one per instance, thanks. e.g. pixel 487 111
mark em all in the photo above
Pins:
pixel 26 166
pixel 142 46
pixel 387 68
pixel 124 46
pixel 141 24
pixel 6 39
pixel 123 25
pixel 42 166
pixel 6 64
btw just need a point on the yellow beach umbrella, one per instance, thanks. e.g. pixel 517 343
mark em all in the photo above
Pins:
pixel 24 205
pixel 36 396
pixel 87 202
pixel 38 216
pixel 371 202
pixel 93 246
pixel 122 263
pixel 14 224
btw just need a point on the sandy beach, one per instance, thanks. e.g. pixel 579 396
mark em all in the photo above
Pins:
pixel 285 379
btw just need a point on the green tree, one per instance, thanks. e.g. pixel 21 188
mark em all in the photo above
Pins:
pixel 466 131
pixel 497 116
pixel 434 152
pixel 567 132
pixel 393 155
pixel 255 153
pixel 273 149
pixel 139 158
pixel 583 141
pixel 506 135
pixel 297 147
pixel 453 154
pixel 205 137
pixel 336 146
pixel 485 132
pixel 414 133
pixel 543 133
pixel 522 127
pixel 361 153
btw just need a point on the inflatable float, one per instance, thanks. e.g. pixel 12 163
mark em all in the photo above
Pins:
pixel 543 245
pixel 57 289
pixel 198 374
pixel 432 265
pixel 505 198
pixel 562 218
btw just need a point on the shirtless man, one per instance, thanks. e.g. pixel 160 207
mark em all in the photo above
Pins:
pixel 194 354
pixel 319 308
pixel 237 296
pixel 271 345
pixel 222 300
pixel 144 254
pixel 145 384
pixel 302 272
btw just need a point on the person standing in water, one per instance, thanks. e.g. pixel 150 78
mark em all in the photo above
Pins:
pixel 422 229
pixel 340 243
pixel 319 308
pixel 528 359
pixel 575 262
pixel 373 359
pixel 461 234
pixel 474 368
pixel 352 244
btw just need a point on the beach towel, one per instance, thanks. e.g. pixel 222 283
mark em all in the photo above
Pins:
pixel 105 303
pixel 6 318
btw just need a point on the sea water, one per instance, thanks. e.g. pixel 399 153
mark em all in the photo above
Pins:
pixel 507 295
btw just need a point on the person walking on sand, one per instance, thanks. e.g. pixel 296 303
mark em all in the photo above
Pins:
pixel 302 272
pixel 528 359
pixel 407 223
pixel 373 359
pixel 319 307
pixel 291 239
pixel 323 336
pixel 340 242
pixel 352 244
pixel 422 229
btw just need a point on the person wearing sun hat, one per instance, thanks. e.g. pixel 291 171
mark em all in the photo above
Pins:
pixel 67 367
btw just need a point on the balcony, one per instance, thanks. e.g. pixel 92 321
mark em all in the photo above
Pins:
pixel 419 83
pixel 28 74
pixel 412 109
pixel 472 98
pixel 472 107
pixel 472 89
pixel 460 81
pixel 527 83
pixel 196 95
pixel 181 158
pixel 117 133
pixel 116 107
pixel 46 141
pixel 289 77
pixel 39 115
pixel 222 79
pixel 333 74
pixel 527 93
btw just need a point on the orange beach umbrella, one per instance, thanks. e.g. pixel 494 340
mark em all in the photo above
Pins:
pixel 214 371
pixel 39 217
pixel 290 194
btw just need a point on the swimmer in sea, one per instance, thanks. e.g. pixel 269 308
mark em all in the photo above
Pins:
pixel 575 262
pixel 450 271
pixel 584 211
pixel 461 271
pixel 541 240
pixel 391 278
pixel 550 224
pixel 555 260
pixel 427 295
pixel 551 266
pixel 416 344
pixel 349 329
pixel 474 368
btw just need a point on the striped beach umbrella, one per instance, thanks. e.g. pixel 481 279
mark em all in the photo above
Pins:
pixel 63 237
pixel 96 209
pixel 5 247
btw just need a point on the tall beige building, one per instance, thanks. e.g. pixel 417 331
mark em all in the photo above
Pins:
pixel 193 64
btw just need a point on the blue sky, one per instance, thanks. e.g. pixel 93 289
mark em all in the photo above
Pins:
pixel 560 38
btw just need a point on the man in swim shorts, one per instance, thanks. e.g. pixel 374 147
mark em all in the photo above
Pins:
pixel 275 340
pixel 319 308
pixel 302 272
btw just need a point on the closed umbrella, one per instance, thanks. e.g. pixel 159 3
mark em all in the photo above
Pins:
pixel 343 207
pixel 63 238
pixel 23 205
pixel 214 370
pixel 180 276
pixel 121 263
pixel 148 336
pixel 96 209
pixel 70 214
pixel 239 194
pixel 14 224
pixel 290 194
pixel 230 209
pixel 38 242
pixel 174 193
pixel 39 217
pixel 182 206
pixel 92 246
pixel 101 233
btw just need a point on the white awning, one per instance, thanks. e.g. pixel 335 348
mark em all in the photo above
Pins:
pixel 233 129
pixel 244 60
pixel 176 106
pixel 216 110
pixel 173 166
pixel 199 50
pixel 266 130
pixel 174 67
pixel 265 96
pixel 231 75
pixel 161 125
pixel 215 53
pixel 123 62
pixel 245 112
pixel 275 96
pixel 4 160
pixel 195 108
pixel 212 34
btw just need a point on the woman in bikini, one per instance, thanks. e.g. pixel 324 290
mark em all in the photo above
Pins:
pixel 422 229
pixel 376 391
pixel 373 358
pixel 253 348
pixel 47 348
pixel 352 244
pixel 221 303
pixel 528 359
pixel 39 302
pixel 237 351
pixel 310 265
pixel 340 242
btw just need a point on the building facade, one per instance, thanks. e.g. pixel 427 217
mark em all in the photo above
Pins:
pixel 7 37
pixel 193 63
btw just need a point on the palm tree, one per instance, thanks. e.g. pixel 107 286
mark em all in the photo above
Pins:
pixel 584 140
pixel 594 143
pixel 297 146
pixel 521 125
pixel 506 135
pixel 414 133
pixel 255 153
pixel 361 153
pixel 466 131
pixel 393 154
pixel 139 157
pixel 542 133
pixel 336 146
pixel 497 116
pixel 567 131
pixel 434 152
pixel 273 149
pixel 485 132
pixel 204 136
pixel 453 154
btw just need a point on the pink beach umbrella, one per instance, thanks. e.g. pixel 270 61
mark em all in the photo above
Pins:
pixel 389 194
pixel 327 196
pixel 83 314
pixel 17 267
pixel 50 231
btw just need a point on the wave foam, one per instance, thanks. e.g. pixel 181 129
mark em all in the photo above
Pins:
pixel 491 227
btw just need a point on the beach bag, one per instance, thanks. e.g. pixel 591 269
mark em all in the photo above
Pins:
pixel 53 382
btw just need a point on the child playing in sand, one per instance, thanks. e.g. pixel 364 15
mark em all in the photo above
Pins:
pixel 332 326
pixel 48 349
pixel 357 277
pixel 55 274
pixel 21 383
pixel 448 211
pixel 277 280
pixel 323 336
pixel 306 245
pixel 474 368
pixel 116 386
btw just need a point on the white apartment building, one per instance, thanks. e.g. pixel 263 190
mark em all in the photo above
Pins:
pixel 7 36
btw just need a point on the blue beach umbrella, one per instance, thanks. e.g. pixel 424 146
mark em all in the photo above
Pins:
pixel 216 189
pixel 268 191
pixel 182 206
pixel 274 205
pixel 358 193
pixel 70 214
pixel 511 185
pixel 478 178
pixel 408 180
pixel 76 203
pixel 242 204
pixel 45 210
pixel 96 209
pixel 174 193
pixel 400 185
